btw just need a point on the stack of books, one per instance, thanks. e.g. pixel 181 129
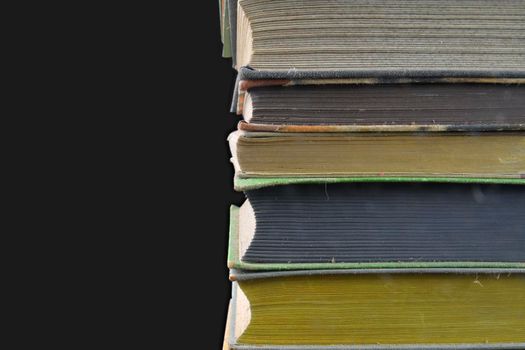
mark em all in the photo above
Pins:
pixel 382 154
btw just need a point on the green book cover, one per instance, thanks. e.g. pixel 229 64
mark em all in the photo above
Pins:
pixel 226 38
pixel 224 18
pixel 252 183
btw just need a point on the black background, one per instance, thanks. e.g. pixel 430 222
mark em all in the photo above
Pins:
pixel 209 80
pixel 176 187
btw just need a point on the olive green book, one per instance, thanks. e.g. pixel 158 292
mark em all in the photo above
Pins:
pixel 377 310
pixel 388 154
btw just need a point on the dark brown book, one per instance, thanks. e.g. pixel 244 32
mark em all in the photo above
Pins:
pixel 270 106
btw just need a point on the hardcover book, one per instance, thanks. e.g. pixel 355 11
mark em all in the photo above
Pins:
pixel 436 154
pixel 382 107
pixel 448 309
pixel 429 35
pixel 378 225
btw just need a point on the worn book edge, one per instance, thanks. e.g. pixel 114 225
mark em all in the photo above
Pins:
pixel 282 128
pixel 249 78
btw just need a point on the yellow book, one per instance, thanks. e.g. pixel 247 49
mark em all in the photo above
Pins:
pixel 385 309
